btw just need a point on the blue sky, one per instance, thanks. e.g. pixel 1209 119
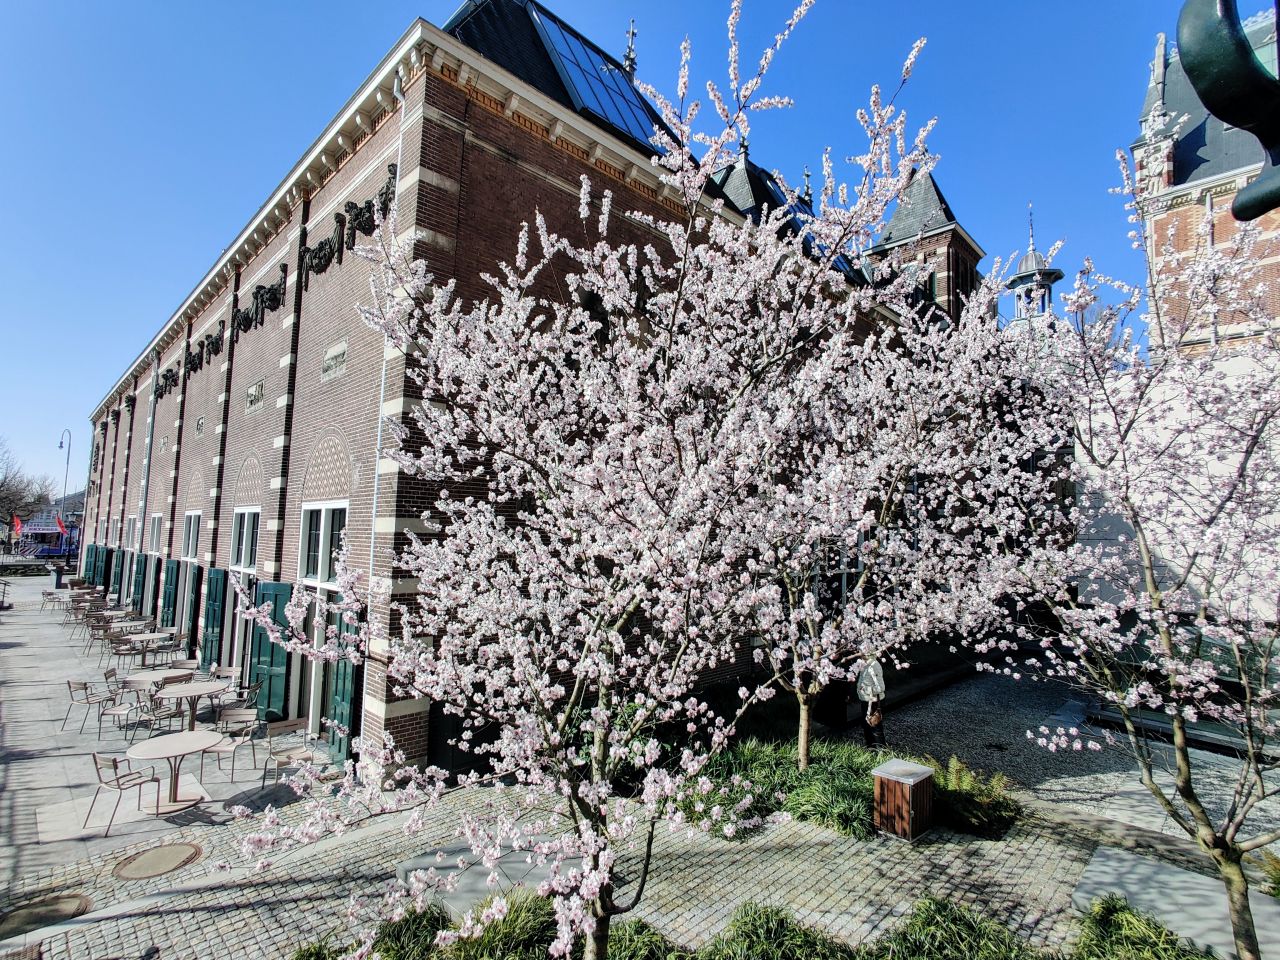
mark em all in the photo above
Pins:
pixel 140 137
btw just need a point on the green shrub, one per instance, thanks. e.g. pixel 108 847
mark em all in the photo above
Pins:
pixel 940 930
pixel 771 933
pixel 970 803
pixel 321 950
pixel 1270 864
pixel 833 801
pixel 836 790
pixel 413 936
pixel 636 940
pixel 1112 930
pixel 525 933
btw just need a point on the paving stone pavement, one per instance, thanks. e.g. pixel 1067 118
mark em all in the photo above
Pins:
pixel 853 889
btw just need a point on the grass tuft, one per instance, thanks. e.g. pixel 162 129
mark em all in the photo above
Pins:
pixel 770 933
pixel 1112 930
pixel 525 933
pixel 941 930
pixel 413 936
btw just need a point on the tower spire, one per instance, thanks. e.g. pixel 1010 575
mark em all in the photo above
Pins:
pixel 629 61
pixel 1031 228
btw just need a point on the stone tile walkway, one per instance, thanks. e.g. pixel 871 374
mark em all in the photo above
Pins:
pixel 853 889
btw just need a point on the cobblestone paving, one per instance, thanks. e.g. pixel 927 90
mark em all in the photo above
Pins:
pixel 853 889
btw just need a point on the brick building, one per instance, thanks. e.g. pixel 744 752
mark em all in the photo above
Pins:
pixel 1188 167
pixel 245 437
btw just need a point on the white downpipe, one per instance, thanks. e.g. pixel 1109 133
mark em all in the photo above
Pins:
pixel 398 92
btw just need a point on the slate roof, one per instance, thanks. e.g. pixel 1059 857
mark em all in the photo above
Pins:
pixel 751 188
pixel 1205 147
pixel 503 31
pixel 920 209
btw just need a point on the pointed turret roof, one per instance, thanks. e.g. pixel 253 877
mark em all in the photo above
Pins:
pixel 921 208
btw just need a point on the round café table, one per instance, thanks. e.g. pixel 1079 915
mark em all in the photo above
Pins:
pixel 146 639
pixel 173 747
pixel 161 676
pixel 191 692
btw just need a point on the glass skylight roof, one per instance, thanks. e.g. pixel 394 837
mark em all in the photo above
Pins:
pixel 596 82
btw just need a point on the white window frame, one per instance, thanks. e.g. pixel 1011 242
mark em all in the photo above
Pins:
pixel 191 535
pixel 113 532
pixel 326 572
pixel 240 522
pixel 131 533
pixel 102 531
pixel 154 533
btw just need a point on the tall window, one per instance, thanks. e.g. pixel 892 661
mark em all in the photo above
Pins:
pixel 157 528
pixel 322 529
pixel 131 533
pixel 244 539
pixel 191 536
pixel 113 537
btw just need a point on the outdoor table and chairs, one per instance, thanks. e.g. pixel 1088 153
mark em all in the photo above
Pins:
pixel 173 748
pixel 148 640
pixel 191 692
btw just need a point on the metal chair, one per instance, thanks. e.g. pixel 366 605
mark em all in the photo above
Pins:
pixel 88 698
pixel 288 745
pixel 116 773
pixel 238 728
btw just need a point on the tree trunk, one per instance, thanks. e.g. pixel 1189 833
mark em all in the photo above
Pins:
pixel 1242 928
pixel 596 946
pixel 802 736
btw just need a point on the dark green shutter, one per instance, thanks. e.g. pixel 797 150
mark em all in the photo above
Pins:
pixel 194 576
pixel 169 601
pixel 117 571
pixel 90 557
pixel 215 593
pixel 100 567
pixel 269 662
pixel 344 680
pixel 139 582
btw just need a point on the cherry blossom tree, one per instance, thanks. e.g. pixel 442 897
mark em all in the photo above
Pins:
pixel 648 442
pixel 1166 598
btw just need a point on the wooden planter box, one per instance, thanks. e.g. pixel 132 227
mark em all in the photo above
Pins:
pixel 903 798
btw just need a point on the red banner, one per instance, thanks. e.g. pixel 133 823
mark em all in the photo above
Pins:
pixel 61 526
pixel 17 526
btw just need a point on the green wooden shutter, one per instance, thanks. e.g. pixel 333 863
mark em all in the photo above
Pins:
pixel 215 593
pixel 269 661
pixel 344 681
pixel 194 576
pixel 170 600
pixel 117 571
pixel 100 567
pixel 139 582
pixel 90 557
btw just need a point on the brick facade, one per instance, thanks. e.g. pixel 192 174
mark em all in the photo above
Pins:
pixel 261 422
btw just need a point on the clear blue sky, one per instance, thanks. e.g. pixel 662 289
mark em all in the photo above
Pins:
pixel 140 137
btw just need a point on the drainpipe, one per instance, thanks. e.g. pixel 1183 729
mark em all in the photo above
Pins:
pixel 398 92
pixel 144 516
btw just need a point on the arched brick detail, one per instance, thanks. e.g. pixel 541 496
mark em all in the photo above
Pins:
pixel 328 475
pixel 248 484
pixel 197 493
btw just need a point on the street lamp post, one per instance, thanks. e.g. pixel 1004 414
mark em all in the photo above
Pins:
pixel 62 507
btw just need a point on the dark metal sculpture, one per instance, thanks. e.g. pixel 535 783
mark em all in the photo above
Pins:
pixel 166 383
pixel 1236 88
pixel 318 258
pixel 360 216
pixel 265 299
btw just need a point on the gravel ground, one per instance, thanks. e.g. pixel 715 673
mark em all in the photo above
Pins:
pixel 984 721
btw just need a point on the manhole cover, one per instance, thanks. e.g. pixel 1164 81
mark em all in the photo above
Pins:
pixel 42 913
pixel 157 861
